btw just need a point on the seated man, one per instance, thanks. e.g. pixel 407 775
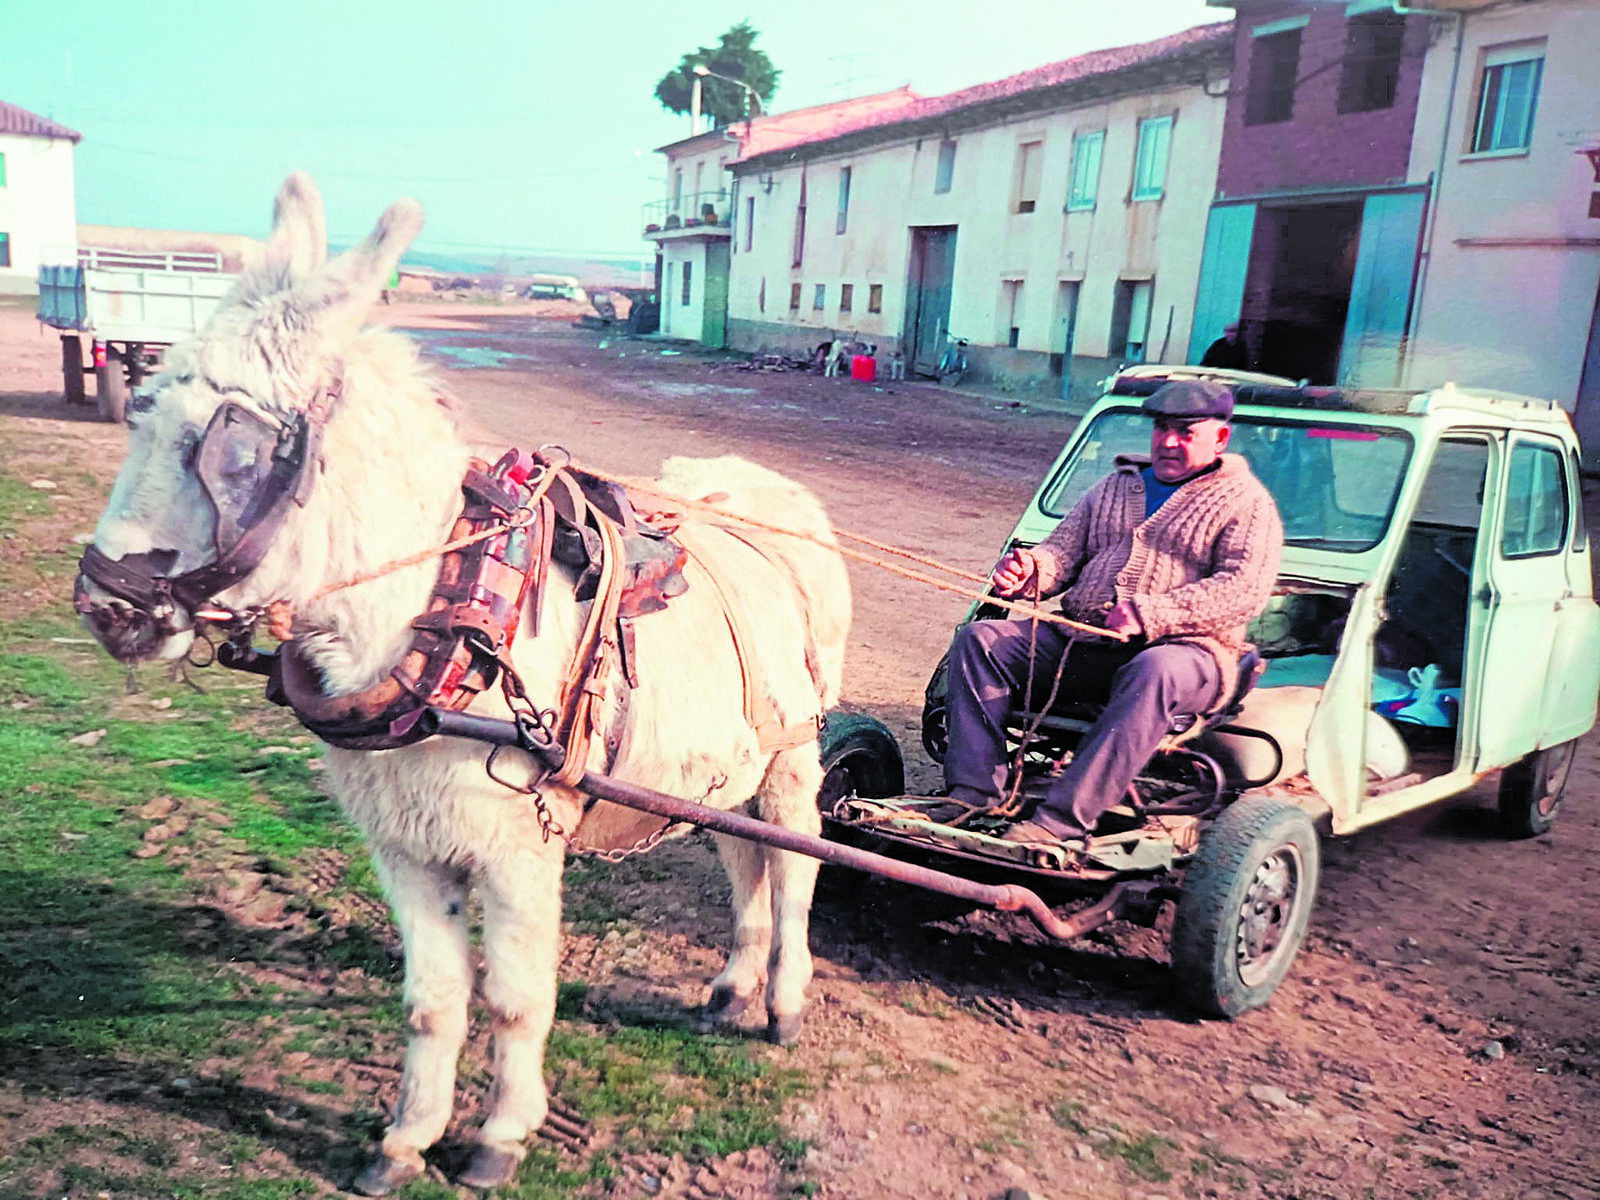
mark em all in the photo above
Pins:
pixel 1178 553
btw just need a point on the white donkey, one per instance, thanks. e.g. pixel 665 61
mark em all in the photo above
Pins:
pixel 386 482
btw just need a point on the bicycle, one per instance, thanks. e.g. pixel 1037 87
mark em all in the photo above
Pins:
pixel 953 364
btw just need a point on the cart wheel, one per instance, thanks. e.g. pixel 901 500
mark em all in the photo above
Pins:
pixel 1530 790
pixel 72 368
pixel 111 388
pixel 936 711
pixel 1245 905
pixel 859 758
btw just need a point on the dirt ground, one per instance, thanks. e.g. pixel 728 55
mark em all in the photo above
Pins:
pixel 1436 1038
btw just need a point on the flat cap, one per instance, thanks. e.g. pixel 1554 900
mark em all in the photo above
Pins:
pixel 1191 400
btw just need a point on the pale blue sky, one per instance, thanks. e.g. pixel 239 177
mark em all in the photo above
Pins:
pixel 524 126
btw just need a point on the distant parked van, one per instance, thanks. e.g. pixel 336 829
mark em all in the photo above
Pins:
pixel 554 287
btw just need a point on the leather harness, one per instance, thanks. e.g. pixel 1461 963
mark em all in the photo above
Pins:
pixel 528 509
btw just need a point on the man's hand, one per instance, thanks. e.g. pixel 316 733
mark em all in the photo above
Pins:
pixel 1124 620
pixel 1014 572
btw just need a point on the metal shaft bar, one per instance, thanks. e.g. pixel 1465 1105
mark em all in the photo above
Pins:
pixel 1008 897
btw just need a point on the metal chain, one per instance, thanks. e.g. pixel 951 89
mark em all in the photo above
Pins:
pixel 531 721
pixel 649 841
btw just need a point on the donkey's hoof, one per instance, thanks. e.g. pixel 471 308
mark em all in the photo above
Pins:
pixel 491 1167
pixel 725 1007
pixel 784 1030
pixel 384 1174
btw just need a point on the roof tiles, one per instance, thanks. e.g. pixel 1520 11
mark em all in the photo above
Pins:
pixel 21 121
pixel 787 131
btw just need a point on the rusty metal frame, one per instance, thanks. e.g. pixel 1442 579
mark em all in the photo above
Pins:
pixel 1122 897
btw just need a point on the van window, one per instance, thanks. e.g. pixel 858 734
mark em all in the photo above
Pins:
pixel 1536 511
pixel 1335 484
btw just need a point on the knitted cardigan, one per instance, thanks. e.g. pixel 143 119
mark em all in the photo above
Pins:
pixel 1198 570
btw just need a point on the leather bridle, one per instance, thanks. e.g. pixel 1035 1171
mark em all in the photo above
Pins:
pixel 247 519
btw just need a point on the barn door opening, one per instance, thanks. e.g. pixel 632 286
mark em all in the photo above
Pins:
pixel 932 278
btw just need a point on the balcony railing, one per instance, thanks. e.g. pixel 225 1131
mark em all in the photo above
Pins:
pixel 693 210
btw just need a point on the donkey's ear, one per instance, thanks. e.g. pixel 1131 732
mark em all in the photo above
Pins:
pixel 299 239
pixel 353 281
pixel 365 269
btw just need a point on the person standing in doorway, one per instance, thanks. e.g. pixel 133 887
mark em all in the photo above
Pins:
pixel 1229 350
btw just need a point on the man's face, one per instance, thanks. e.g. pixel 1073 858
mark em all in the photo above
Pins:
pixel 1182 448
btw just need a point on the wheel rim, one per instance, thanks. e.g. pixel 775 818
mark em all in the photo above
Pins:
pixel 1555 782
pixel 1267 914
pixel 837 784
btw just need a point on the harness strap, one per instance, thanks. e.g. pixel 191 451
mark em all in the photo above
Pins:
pixel 597 648
pixel 760 713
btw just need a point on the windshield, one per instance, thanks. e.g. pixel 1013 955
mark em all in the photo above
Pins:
pixel 1335 484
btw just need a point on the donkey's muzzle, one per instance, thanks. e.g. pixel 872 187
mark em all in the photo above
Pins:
pixel 128 604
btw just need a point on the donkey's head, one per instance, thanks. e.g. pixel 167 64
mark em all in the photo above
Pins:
pixel 223 440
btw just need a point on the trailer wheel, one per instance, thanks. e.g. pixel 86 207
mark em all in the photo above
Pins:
pixel 1245 905
pixel 859 758
pixel 72 368
pixel 1530 790
pixel 111 387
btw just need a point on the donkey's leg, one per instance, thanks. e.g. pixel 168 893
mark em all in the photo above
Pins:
pixel 428 902
pixel 521 936
pixel 788 797
pixel 736 986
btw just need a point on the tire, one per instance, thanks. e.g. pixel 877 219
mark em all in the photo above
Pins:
pixel 859 758
pixel 936 711
pixel 1259 860
pixel 72 368
pixel 111 388
pixel 1531 788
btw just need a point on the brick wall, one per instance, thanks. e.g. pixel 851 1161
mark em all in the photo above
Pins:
pixel 1318 146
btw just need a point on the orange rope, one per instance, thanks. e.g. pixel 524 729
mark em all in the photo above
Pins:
pixel 1028 610
pixel 411 560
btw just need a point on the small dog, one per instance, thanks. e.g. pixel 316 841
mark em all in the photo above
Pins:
pixel 896 364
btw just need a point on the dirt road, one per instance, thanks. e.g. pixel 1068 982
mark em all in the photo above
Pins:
pixel 1436 1038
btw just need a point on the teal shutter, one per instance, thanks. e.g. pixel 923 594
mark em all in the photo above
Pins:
pixel 1223 264
pixel 1380 292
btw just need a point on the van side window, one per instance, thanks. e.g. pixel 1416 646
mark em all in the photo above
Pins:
pixel 1537 509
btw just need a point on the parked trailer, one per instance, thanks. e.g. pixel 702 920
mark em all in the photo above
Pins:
pixel 131 305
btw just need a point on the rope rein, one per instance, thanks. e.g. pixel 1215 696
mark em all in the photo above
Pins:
pixel 1022 609
pixel 526 516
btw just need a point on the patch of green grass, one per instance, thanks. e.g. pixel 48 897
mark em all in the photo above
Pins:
pixel 1143 1155
pixel 1069 1115
pixel 134 967
pixel 325 1087
pixel 673 1089
pixel 18 501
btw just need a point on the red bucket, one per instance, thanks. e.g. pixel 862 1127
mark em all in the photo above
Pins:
pixel 863 367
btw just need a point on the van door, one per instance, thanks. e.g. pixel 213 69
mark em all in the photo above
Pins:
pixel 1518 595
pixel 1572 699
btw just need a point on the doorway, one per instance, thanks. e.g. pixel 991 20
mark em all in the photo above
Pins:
pixel 1303 261
pixel 928 288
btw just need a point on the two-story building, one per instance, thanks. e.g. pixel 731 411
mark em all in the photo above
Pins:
pixel 1052 218
pixel 1508 293
pixel 692 224
pixel 1312 241
pixel 38 206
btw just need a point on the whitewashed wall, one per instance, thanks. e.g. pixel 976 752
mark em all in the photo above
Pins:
pixel 37 208
pixel 1514 315
pixel 678 319
pixel 892 190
